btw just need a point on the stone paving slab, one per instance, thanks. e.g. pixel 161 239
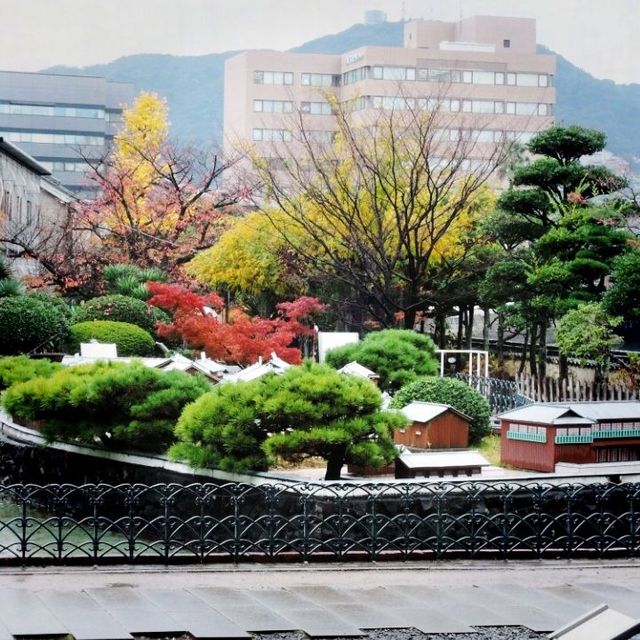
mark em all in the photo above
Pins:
pixel 539 598
pixel 253 617
pixel 191 612
pixel 307 616
pixel 629 604
pixel 616 596
pixel 454 606
pixel 366 617
pixel 23 614
pixel 134 612
pixel 429 620
pixel 326 595
pixel 84 618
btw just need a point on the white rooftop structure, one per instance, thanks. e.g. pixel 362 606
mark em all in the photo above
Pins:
pixel 258 370
pixel 575 412
pixel 443 459
pixel 418 411
pixel 95 349
pixel 359 371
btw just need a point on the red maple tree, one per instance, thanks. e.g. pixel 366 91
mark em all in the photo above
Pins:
pixel 242 340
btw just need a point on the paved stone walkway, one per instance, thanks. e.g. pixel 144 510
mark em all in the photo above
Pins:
pixel 326 600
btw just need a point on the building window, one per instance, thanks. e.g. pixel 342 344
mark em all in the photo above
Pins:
pixel 7 108
pixel 53 138
pixel 394 73
pixel 316 108
pixel 271 135
pixel 356 75
pixel 320 80
pixel 273 77
pixel 272 106
pixel 506 44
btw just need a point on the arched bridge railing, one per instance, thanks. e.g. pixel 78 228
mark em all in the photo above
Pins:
pixel 172 523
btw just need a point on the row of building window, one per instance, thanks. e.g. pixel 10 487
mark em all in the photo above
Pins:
pixel 515 79
pixel 16 208
pixel 69 167
pixel 451 105
pixel 527 428
pixel 451 135
pixel 286 106
pixel 52 138
pixel 51 110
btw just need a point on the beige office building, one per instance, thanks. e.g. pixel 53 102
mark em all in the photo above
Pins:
pixel 482 74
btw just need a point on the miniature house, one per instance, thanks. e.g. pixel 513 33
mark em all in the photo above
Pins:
pixel 539 436
pixel 434 426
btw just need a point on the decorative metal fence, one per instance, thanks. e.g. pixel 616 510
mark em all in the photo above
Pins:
pixel 171 523
pixel 502 395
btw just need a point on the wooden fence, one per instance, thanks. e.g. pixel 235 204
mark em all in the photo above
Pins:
pixel 569 390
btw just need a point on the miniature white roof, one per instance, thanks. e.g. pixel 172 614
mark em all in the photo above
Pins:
pixel 442 459
pixel 258 370
pixel 575 412
pixel 95 349
pixel 356 369
pixel 418 411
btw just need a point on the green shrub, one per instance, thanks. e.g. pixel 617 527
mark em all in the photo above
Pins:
pixel 120 406
pixel 398 356
pixel 130 339
pixel 32 323
pixel 222 429
pixel 120 309
pixel 308 411
pixel 456 394
pixel 14 369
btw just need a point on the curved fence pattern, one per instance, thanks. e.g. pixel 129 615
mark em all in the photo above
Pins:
pixel 171 523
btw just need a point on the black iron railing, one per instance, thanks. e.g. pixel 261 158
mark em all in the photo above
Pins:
pixel 502 395
pixel 172 523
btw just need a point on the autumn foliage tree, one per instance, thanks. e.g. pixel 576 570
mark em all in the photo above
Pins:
pixel 159 203
pixel 385 207
pixel 242 340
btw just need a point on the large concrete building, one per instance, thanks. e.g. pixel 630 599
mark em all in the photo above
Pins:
pixel 483 73
pixel 56 119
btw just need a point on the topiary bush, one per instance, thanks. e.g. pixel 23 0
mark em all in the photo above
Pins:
pixel 15 369
pixel 32 323
pixel 456 394
pixel 130 339
pixel 398 356
pixel 121 309
pixel 120 406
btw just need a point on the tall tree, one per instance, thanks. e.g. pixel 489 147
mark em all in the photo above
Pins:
pixel 383 208
pixel 558 249
pixel 160 203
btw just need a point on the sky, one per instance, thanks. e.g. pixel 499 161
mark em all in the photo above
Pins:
pixel 600 36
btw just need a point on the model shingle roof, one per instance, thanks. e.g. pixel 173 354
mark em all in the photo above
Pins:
pixel 575 412
pixel 418 411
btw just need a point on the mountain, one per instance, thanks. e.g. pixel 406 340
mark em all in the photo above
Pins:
pixel 193 86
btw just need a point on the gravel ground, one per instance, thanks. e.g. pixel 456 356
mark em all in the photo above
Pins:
pixel 483 633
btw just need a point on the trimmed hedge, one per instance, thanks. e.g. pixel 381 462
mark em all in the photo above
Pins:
pixel 398 356
pixel 456 394
pixel 120 308
pixel 31 323
pixel 15 369
pixel 121 406
pixel 130 339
